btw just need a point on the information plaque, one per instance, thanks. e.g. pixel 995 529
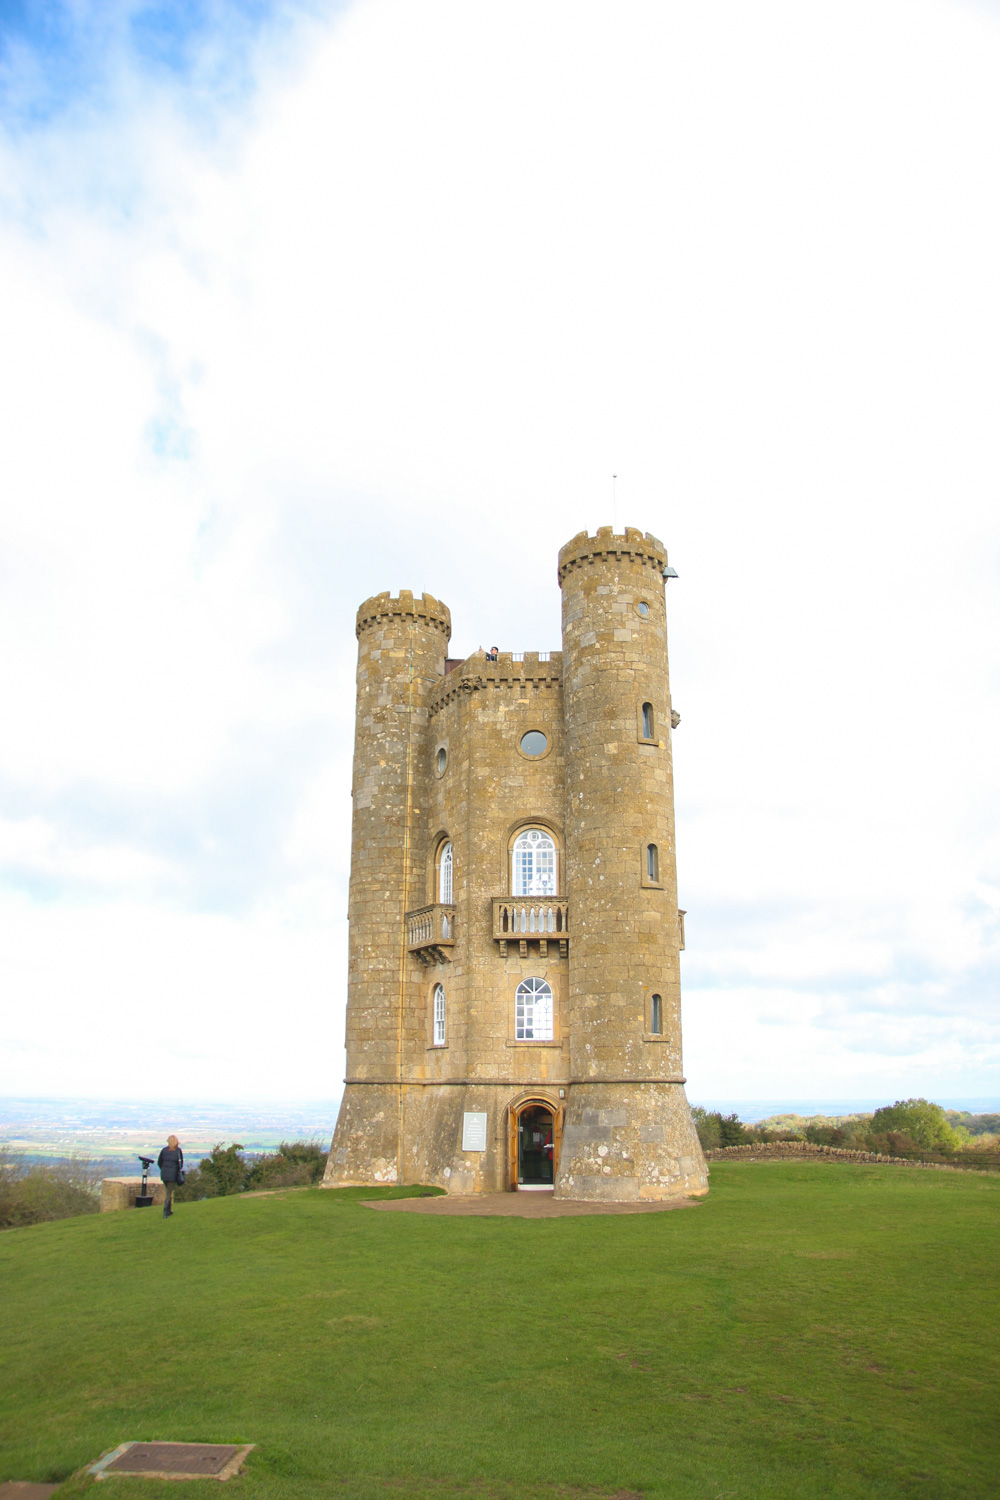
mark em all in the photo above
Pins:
pixel 473 1131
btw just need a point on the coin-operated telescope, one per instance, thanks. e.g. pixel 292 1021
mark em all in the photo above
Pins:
pixel 144 1197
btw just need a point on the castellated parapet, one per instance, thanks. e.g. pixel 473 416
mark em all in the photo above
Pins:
pixel 513 1017
pixel 403 606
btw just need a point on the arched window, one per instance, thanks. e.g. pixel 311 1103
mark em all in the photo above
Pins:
pixel 446 869
pixel 652 862
pixel 439 1013
pixel 533 1011
pixel 533 864
pixel 648 721
pixel 656 1015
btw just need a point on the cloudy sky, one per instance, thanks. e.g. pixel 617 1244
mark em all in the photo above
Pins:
pixel 301 301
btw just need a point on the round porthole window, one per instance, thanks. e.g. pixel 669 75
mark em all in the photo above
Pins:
pixel 441 760
pixel 534 743
pixel 643 608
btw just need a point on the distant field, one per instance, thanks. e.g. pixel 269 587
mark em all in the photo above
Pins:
pixel 116 1158
pixel 807 1333
pixel 111 1133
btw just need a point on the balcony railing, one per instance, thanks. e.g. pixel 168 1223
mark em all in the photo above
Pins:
pixel 430 932
pixel 531 919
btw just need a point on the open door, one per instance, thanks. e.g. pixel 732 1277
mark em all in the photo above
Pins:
pixel 533 1145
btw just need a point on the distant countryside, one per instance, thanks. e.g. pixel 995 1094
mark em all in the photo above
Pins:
pixel 56 1172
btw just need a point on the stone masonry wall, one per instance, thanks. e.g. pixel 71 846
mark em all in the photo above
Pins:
pixel 438 759
pixel 402 645
pixel 626 933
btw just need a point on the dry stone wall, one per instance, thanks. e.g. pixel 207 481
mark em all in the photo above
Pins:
pixel 797 1150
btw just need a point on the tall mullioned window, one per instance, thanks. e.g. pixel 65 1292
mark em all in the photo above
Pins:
pixel 533 1011
pixel 439 1015
pixel 446 871
pixel 534 869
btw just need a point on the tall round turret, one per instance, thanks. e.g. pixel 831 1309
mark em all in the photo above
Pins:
pixel 628 1128
pixel 402 645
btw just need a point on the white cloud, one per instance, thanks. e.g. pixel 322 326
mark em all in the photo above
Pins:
pixel 392 318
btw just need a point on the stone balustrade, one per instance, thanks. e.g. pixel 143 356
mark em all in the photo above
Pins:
pixel 430 932
pixel 531 919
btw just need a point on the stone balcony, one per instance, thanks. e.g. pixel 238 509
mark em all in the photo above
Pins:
pixel 430 932
pixel 531 919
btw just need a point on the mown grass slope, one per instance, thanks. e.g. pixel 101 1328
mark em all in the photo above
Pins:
pixel 810 1330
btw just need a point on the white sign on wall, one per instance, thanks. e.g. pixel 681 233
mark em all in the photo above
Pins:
pixel 473 1131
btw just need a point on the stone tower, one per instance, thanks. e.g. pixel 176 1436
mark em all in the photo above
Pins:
pixel 513 1017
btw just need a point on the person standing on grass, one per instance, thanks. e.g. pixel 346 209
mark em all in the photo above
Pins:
pixel 171 1164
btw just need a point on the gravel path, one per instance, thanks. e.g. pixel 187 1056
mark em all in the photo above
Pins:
pixel 519 1206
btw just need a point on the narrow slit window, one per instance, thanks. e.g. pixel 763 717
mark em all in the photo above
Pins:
pixel 656 1016
pixel 439 1015
pixel 446 870
pixel 652 863
pixel 648 721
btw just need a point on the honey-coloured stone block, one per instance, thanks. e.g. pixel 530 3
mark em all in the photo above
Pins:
pixel 527 780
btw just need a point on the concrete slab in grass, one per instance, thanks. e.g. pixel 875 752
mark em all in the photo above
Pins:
pixel 173 1460
pixel 26 1489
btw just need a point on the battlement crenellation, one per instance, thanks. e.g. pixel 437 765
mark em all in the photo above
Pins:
pixel 513 1016
pixel 606 542
pixel 404 606
pixel 542 668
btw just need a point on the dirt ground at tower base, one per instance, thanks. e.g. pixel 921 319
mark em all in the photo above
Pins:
pixel 521 1206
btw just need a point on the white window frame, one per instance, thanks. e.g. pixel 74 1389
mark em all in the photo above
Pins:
pixel 534 864
pixel 533 1011
pixel 446 874
pixel 440 1016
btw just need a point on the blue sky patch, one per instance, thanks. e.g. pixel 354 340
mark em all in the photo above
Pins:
pixel 55 56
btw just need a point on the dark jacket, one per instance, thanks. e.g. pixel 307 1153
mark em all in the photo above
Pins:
pixel 170 1163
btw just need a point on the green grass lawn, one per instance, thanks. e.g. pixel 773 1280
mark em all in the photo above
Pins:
pixel 810 1330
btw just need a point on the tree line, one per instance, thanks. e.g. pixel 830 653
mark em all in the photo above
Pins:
pixel 911 1128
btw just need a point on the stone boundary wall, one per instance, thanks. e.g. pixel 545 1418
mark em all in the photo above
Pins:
pixel 795 1150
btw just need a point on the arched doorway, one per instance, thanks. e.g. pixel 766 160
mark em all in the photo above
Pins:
pixel 535 1132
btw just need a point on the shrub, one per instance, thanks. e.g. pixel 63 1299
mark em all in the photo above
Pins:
pixel 294 1164
pixel 915 1126
pixel 223 1171
pixel 194 1187
pixel 826 1135
pixel 732 1131
pixel 715 1129
pixel 892 1143
pixel 976 1125
pixel 226 1170
pixel 36 1194
pixel 707 1126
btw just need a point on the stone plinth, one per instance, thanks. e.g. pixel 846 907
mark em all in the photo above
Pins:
pixel 121 1192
